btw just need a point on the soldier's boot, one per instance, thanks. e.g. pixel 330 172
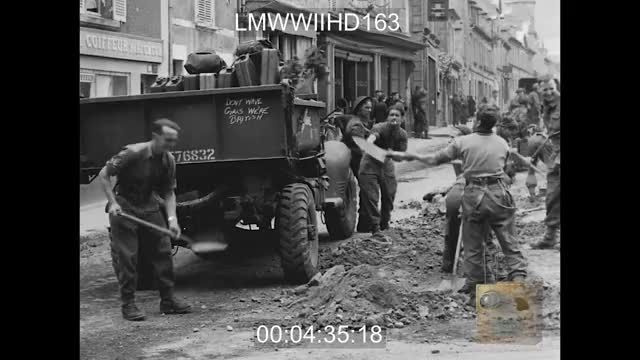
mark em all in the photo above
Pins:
pixel 469 289
pixel 169 304
pixel 131 312
pixel 549 240
pixel 378 236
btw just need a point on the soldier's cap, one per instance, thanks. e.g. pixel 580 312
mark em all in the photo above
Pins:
pixel 359 102
pixel 520 90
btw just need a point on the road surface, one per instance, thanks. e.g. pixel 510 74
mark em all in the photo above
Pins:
pixel 223 293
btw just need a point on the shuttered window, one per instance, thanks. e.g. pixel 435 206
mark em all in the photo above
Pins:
pixel 204 13
pixel 120 10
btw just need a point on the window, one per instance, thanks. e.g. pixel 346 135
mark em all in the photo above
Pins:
pixel 205 13
pixel 86 80
pixel 108 9
pixel 145 83
pixel 103 83
pixel 177 67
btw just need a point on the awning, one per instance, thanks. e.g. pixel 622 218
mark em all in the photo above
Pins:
pixel 358 43
pixel 352 56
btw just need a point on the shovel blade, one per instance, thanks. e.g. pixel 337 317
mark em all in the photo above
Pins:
pixel 205 247
pixel 457 284
pixel 209 241
pixel 453 283
pixel 445 285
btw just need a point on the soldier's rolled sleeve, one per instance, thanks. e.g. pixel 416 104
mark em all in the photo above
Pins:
pixel 119 161
pixel 450 153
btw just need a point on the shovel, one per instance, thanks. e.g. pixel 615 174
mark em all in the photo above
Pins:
pixel 371 149
pixel 199 247
pixel 453 282
pixel 529 164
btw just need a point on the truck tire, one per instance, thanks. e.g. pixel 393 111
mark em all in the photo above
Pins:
pixel 297 227
pixel 342 221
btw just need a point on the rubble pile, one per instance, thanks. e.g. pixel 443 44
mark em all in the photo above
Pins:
pixel 360 282
pixel 417 245
pixel 366 282
pixel 369 295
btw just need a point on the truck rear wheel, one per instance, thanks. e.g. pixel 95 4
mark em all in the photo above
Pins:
pixel 297 227
pixel 341 221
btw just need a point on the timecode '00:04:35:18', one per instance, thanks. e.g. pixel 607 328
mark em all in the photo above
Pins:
pixel 183 156
pixel 336 335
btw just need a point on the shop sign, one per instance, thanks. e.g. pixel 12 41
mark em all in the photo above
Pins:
pixel 120 46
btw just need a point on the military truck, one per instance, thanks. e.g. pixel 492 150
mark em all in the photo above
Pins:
pixel 246 156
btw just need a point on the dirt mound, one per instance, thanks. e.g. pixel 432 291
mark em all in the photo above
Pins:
pixel 370 295
pixel 368 282
pixel 417 244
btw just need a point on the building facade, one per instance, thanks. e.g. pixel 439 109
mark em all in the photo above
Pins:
pixel 359 61
pixel 201 25
pixel 122 46
pixel 504 70
pixel 479 47
pixel 519 58
pixel 479 60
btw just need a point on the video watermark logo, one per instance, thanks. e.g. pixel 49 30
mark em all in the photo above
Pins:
pixel 509 312
pixel 318 21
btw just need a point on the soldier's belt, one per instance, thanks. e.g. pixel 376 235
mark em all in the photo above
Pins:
pixel 489 180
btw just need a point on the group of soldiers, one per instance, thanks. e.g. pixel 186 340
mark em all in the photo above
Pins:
pixel 533 127
pixel 490 154
pixel 481 190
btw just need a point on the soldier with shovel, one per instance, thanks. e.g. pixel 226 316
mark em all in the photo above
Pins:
pixel 144 171
pixel 486 199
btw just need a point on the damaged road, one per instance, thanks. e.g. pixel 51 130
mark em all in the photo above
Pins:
pixel 361 282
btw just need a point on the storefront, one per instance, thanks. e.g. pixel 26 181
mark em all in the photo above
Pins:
pixel 113 64
pixel 354 74
pixel 361 62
